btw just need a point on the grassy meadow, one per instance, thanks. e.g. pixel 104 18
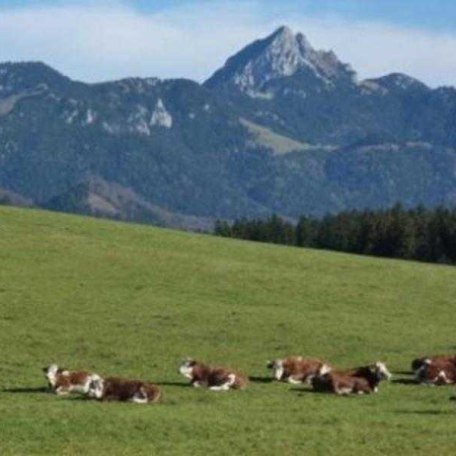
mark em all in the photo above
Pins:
pixel 133 300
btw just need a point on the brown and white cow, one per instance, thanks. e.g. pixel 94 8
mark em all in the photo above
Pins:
pixel 366 371
pixel 295 369
pixel 419 363
pixel 121 389
pixel 359 380
pixel 63 381
pixel 437 371
pixel 213 378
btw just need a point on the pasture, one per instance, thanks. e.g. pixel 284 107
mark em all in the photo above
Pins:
pixel 133 301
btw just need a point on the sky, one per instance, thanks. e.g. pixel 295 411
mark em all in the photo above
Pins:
pixel 103 40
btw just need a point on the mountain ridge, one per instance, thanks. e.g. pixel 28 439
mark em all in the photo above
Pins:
pixel 301 136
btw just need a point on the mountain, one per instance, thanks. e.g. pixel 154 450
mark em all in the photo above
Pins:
pixel 166 140
pixel 255 69
pixel 281 128
pixel 99 198
pixel 8 198
pixel 283 83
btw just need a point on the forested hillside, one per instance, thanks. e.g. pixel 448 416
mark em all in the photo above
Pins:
pixel 419 234
pixel 281 128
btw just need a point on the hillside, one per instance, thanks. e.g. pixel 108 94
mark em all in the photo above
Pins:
pixel 134 300
pixel 281 128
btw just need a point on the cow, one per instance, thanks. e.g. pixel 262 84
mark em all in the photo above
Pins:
pixel 419 363
pixel 63 381
pixel 213 378
pixel 437 371
pixel 366 371
pixel 295 369
pixel 359 380
pixel 124 390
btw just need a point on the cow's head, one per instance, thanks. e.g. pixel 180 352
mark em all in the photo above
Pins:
pixel 96 387
pixel 324 369
pixel 277 368
pixel 381 371
pixel 50 372
pixel 417 364
pixel 187 366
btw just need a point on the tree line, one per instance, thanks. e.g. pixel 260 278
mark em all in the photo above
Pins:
pixel 416 234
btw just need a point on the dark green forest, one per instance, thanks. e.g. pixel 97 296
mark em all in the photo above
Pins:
pixel 415 234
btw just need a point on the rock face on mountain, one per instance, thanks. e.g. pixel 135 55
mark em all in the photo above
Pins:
pixel 281 127
pixel 281 55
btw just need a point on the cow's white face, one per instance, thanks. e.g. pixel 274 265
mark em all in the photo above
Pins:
pixel 382 370
pixel 96 386
pixel 277 368
pixel 324 369
pixel 186 368
pixel 50 373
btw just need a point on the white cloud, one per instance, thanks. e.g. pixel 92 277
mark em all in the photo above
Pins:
pixel 99 41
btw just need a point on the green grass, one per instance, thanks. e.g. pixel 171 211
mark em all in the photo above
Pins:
pixel 278 143
pixel 132 300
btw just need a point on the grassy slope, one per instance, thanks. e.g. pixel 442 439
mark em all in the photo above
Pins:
pixel 278 143
pixel 132 300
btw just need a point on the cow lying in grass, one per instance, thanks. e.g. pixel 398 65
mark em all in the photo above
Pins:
pixel 419 364
pixel 437 371
pixel 359 380
pixel 63 381
pixel 120 389
pixel 214 378
pixel 295 369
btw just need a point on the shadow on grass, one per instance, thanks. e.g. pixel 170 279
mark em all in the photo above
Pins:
pixel 425 412
pixel 182 385
pixel 77 397
pixel 40 389
pixel 261 379
pixel 303 390
pixel 405 381
pixel 407 372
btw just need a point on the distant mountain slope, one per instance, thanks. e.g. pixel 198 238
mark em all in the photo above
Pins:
pixel 282 82
pixel 277 143
pixel 9 198
pixel 99 198
pixel 166 140
pixel 281 128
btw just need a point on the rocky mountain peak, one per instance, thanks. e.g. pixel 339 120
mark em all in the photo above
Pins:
pixel 282 54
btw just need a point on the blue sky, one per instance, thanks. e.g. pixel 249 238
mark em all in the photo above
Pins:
pixel 106 39
pixel 438 14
